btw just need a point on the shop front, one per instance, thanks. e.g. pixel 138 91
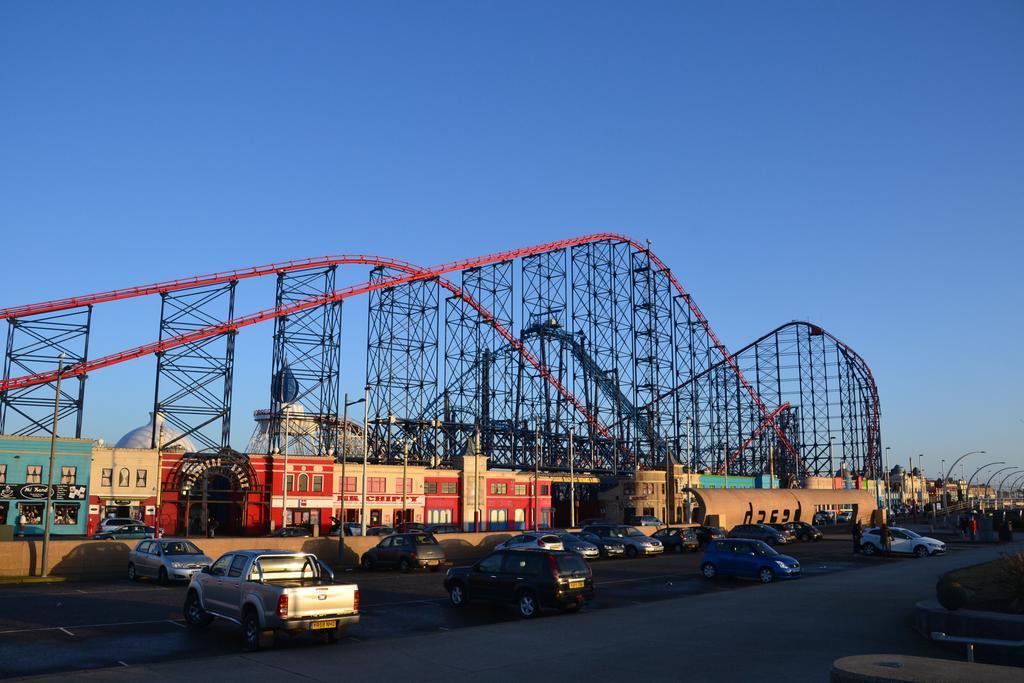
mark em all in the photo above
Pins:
pixel 29 500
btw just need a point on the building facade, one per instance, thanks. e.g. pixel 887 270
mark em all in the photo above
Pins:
pixel 24 473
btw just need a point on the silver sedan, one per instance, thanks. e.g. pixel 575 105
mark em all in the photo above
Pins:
pixel 166 559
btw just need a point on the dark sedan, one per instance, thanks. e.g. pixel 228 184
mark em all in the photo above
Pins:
pixel 292 532
pixel 706 534
pixel 677 539
pixel 405 551
pixel 608 547
pixel 804 531
pixel 127 531
pixel 759 532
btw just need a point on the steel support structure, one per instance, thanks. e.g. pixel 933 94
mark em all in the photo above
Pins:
pixel 34 344
pixel 193 381
pixel 307 346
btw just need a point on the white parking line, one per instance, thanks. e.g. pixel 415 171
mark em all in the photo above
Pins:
pixel 121 663
pixel 172 621
pixel 81 626
pixel 66 631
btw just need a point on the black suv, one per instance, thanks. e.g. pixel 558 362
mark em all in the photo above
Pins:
pixel 529 580
pixel 676 539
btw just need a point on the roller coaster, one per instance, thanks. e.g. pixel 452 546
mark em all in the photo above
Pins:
pixel 611 354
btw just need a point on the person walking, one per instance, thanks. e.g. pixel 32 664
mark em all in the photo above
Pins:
pixel 972 526
pixel 21 524
pixel 211 528
pixel 856 531
pixel 886 536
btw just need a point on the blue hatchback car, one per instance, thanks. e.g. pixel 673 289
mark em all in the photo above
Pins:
pixel 748 558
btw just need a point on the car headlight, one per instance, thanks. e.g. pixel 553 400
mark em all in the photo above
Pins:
pixel 780 563
pixel 179 565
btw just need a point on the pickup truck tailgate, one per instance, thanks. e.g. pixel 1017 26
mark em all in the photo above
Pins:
pixel 321 601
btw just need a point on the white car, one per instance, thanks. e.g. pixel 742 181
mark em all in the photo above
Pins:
pixel 111 523
pixel 904 541
pixel 537 540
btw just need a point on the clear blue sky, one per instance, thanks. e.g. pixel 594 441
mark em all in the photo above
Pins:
pixel 859 164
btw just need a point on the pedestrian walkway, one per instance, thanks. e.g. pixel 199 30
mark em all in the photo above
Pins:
pixel 781 632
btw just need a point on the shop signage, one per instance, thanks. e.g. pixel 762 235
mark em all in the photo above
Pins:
pixel 385 499
pixel 199 466
pixel 38 491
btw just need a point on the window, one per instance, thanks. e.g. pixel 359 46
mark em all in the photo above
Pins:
pixel 236 566
pixel 628 489
pixel 520 489
pixel 68 475
pixel 290 482
pixel 108 477
pixel 499 488
pixel 523 564
pixel 318 483
pixel 449 487
pixel 3 476
pixel 348 485
pixel 34 474
pixel 303 482
pixel 220 567
pixel 400 489
pixel 429 487
pixel 498 519
pixel 140 479
pixel 123 477
pixel 376 485
pixel 492 563
pixel 439 516
pixel 520 518
pixel 33 512
pixel 544 489
pixel 65 515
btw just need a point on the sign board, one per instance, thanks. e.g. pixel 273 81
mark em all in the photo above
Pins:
pixel 385 499
pixel 94 509
pixel 38 491
pixel 150 509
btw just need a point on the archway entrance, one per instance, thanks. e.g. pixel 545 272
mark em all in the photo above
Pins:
pixel 215 493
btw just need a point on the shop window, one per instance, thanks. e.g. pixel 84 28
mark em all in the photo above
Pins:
pixel 429 487
pixel 303 482
pixel 400 489
pixel 107 478
pixel 68 475
pixel 140 479
pixel 376 485
pixel 4 508
pixel 498 519
pixel 520 518
pixel 318 483
pixel 499 488
pixel 439 516
pixel 449 487
pixel 3 478
pixel 34 474
pixel 33 512
pixel 65 515
pixel 124 477
pixel 520 489
pixel 348 485
pixel 629 489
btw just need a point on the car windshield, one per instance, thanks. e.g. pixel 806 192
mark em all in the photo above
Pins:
pixel 571 563
pixel 425 539
pixel 179 548
pixel 633 531
pixel 764 550
pixel 910 533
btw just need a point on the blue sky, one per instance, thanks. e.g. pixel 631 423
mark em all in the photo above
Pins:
pixel 855 164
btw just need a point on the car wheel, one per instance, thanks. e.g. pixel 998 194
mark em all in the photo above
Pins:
pixel 457 594
pixel 920 551
pixel 366 563
pixel 526 605
pixel 251 630
pixel 805 537
pixel 766 575
pixel 195 615
pixel 132 574
pixel 162 578
pixel 404 566
pixel 631 552
pixel 709 570
pixel 868 549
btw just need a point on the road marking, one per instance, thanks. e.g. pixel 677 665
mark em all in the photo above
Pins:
pixel 66 631
pixel 172 621
pixel 404 602
pixel 81 626
pixel 121 663
pixel 444 628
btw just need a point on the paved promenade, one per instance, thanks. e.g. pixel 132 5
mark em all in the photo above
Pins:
pixel 781 632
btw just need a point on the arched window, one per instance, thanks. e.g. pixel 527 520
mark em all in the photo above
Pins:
pixel 303 482
pixel 123 477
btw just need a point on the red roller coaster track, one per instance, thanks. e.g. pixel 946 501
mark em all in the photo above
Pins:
pixel 415 273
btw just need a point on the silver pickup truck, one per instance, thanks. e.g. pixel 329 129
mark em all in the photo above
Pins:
pixel 266 591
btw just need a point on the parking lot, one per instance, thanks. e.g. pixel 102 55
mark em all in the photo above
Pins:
pixel 69 626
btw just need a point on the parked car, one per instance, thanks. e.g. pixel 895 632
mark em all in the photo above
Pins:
pixel 824 517
pixel 127 531
pixel 904 542
pixel 405 551
pixel 111 523
pixel 646 520
pixel 758 532
pixel 844 517
pixel 678 539
pixel 637 542
pixel 351 529
pixel 608 547
pixel 706 534
pixel 166 559
pixel 747 558
pixel 804 531
pixel 532 540
pixel 530 581
pixel 575 544
pixel 592 521
pixel 785 531
pixel 409 527
pixel 379 530
pixel 271 590
pixel 443 529
pixel 292 532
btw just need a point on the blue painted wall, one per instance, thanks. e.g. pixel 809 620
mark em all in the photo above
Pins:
pixel 18 453
pixel 714 481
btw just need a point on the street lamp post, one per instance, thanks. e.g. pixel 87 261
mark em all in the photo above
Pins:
pixel 994 474
pixel 1015 487
pixel 689 470
pixel 366 451
pixel 344 479
pixel 999 489
pixel 888 477
pixel 949 473
pixel 999 462
pixel 572 478
pixel 48 511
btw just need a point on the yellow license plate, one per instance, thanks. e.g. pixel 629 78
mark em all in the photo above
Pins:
pixel 577 583
pixel 430 562
pixel 319 625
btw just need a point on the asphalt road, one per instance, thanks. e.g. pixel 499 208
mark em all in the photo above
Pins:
pixel 65 627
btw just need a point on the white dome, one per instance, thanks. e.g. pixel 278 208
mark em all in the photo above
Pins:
pixel 142 437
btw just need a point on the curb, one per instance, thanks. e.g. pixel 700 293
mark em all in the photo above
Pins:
pixel 17 580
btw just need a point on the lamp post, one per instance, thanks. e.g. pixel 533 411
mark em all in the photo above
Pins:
pixel 888 477
pixel 832 460
pixel 48 510
pixel 689 470
pixel 572 478
pixel 999 489
pixel 1014 487
pixel 999 462
pixel 366 451
pixel 989 482
pixel 344 479
pixel 949 473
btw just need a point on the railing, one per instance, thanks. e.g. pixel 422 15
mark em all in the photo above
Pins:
pixel 971 642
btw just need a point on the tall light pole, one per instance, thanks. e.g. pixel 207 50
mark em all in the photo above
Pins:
pixel 989 482
pixel 366 452
pixel 949 473
pixel 888 477
pixel 1014 487
pixel 832 460
pixel 689 470
pixel 998 462
pixel 999 488
pixel 47 512
pixel 572 478
pixel 344 479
